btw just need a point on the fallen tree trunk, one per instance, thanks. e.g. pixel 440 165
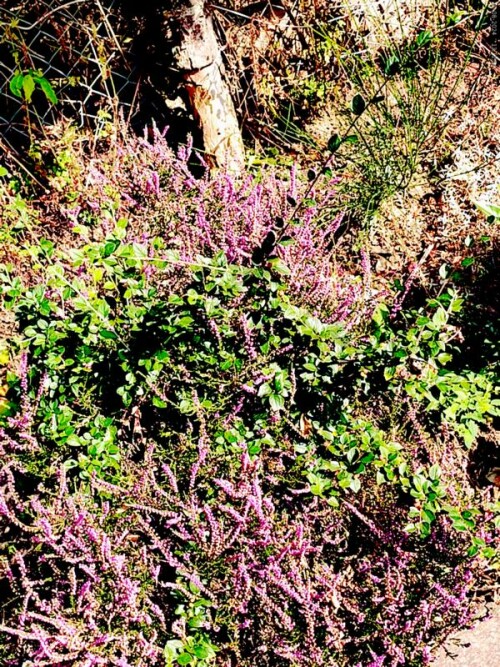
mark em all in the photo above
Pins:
pixel 198 58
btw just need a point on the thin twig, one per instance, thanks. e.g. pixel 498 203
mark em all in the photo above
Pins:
pixel 52 11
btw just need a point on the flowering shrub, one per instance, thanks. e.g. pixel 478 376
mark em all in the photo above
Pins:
pixel 141 180
pixel 100 581
pixel 211 457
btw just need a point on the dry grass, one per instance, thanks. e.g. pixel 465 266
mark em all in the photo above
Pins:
pixel 459 166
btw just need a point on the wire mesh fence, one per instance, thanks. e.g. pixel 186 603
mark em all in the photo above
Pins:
pixel 107 54
pixel 75 46
pixel 98 54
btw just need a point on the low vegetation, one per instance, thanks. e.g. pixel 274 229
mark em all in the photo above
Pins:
pixel 226 436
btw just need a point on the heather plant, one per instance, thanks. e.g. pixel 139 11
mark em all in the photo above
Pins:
pixel 177 565
pixel 199 468
pixel 146 572
pixel 218 444
pixel 151 190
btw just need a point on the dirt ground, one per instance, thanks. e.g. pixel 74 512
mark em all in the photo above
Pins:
pixel 477 647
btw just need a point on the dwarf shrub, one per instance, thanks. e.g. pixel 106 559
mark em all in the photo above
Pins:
pixel 198 468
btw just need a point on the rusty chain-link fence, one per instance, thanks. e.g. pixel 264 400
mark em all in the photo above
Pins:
pixel 101 55
pixel 83 48
pixel 107 54
pixel 104 55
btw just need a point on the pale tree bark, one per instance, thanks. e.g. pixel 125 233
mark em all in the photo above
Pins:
pixel 198 57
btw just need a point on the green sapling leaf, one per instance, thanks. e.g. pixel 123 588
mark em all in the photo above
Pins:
pixel 47 89
pixel 358 104
pixel 334 143
pixel 16 85
pixel 28 87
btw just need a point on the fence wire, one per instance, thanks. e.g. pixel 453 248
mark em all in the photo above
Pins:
pixel 99 54
pixel 76 47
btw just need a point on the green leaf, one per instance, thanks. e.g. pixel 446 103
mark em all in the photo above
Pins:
pixel 489 552
pixel 434 472
pixel 184 322
pixel 430 516
pixel 345 482
pixel 351 454
pixel 461 525
pixel 196 622
pixel 355 484
pixel 439 318
pixel 334 143
pixel 158 403
pixel 107 334
pixel 201 651
pixel 392 65
pixel 279 265
pixel 444 358
pixel 28 87
pixel 264 390
pixel 470 433
pixel 110 247
pixel 489 210
pixel 16 85
pixel 47 89
pixel 358 104
pixel 351 139
pixel 184 658
pixel 380 314
pixel 443 271
pixel 453 18
pixel 277 402
pixel 172 647
pixel 389 372
pixel 423 38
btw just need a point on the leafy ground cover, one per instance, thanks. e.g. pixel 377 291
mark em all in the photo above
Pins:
pixel 218 443
pixel 227 436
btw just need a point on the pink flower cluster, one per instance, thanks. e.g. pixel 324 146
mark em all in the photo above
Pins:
pixel 143 181
pixel 96 576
